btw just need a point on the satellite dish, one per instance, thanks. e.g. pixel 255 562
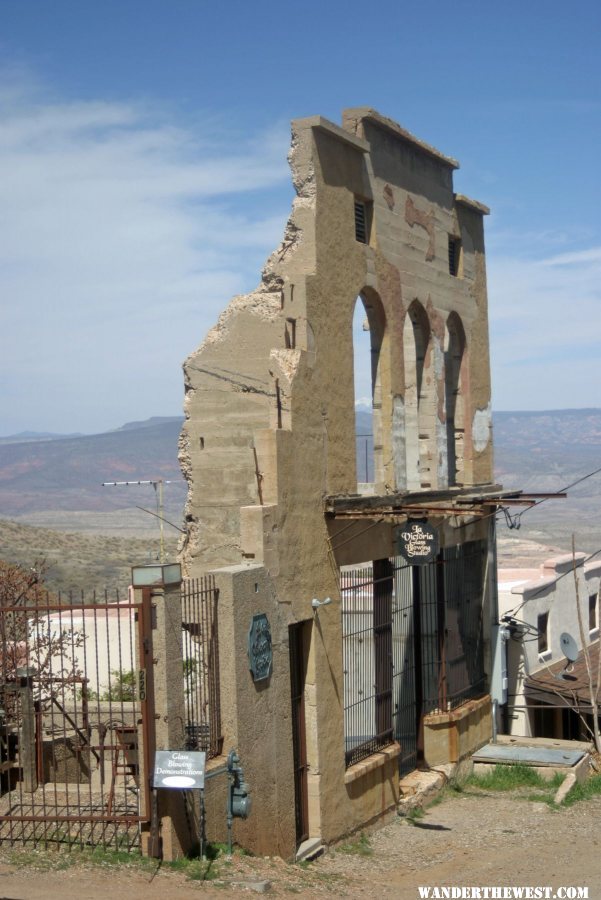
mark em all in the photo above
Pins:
pixel 568 646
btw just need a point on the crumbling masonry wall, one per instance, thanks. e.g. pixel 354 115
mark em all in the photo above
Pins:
pixel 269 433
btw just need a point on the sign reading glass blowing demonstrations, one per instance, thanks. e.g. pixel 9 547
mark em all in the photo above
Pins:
pixel 418 542
pixel 179 769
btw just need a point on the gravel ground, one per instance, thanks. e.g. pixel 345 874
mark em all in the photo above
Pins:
pixel 472 838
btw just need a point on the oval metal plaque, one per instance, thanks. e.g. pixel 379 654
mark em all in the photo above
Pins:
pixel 260 653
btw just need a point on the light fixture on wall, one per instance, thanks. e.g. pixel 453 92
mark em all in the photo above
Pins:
pixel 316 604
pixel 162 574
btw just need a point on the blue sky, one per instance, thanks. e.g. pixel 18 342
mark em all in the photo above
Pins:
pixel 144 179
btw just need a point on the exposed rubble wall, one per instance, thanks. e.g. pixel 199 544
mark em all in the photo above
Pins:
pixel 270 431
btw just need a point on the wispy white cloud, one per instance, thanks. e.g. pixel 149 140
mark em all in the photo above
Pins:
pixel 118 248
pixel 545 326
pixel 576 258
pixel 125 231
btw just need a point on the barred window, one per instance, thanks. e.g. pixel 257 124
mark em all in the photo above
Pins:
pixel 454 256
pixel 362 221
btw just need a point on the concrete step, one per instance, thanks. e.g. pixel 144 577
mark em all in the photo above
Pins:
pixel 310 849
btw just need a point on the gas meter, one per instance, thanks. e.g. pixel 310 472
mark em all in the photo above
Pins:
pixel 239 803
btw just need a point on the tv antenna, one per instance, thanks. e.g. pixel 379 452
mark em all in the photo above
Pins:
pixel 157 484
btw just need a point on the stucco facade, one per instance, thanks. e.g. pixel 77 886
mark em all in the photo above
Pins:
pixel 269 451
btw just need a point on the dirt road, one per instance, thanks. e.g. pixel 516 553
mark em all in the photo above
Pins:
pixel 472 838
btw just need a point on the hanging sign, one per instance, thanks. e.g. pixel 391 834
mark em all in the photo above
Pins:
pixel 179 769
pixel 418 542
pixel 260 653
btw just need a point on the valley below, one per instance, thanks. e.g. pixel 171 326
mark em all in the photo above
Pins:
pixel 53 504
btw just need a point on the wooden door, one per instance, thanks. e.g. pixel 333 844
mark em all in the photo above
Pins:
pixel 297 682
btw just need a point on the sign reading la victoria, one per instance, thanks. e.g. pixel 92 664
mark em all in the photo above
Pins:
pixel 418 542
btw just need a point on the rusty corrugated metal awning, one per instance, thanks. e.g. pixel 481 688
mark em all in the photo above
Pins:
pixel 456 501
pixel 573 690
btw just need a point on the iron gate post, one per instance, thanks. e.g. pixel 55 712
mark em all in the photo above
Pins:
pixel 177 836
pixel 27 736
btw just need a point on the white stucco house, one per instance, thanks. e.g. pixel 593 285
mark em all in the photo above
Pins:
pixel 547 695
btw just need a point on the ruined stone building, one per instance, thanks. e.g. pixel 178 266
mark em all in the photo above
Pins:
pixel 393 672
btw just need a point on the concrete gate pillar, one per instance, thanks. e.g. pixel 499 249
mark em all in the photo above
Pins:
pixel 255 715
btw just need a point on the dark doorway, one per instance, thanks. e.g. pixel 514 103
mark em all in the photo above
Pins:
pixel 298 640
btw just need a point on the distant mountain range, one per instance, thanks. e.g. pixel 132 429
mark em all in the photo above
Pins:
pixel 24 436
pixel 65 474
pixel 55 481
pixel 547 450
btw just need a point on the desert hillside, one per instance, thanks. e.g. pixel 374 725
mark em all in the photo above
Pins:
pixel 53 505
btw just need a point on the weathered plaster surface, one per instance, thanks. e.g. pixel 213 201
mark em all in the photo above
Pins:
pixel 481 428
pixel 415 216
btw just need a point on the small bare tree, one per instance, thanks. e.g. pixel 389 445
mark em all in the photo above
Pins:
pixel 20 586
pixel 30 639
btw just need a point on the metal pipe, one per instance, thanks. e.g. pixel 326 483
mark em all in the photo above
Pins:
pixel 230 814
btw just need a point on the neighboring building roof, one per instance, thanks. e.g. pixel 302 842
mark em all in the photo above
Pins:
pixel 573 690
pixel 507 579
pixel 531 580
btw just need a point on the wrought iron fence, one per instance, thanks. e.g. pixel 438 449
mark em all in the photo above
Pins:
pixel 71 724
pixel 76 713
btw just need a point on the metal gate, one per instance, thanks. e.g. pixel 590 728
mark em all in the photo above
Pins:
pixel 200 648
pixel 438 654
pixel 76 722
pixel 412 644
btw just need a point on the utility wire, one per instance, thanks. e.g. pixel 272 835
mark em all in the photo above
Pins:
pixel 516 521
pixel 518 518
pixel 162 518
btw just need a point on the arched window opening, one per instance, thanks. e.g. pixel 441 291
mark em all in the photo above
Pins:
pixel 454 358
pixel 420 400
pixel 368 331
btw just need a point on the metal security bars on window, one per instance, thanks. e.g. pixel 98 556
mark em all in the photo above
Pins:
pixel 360 222
pixel 412 645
